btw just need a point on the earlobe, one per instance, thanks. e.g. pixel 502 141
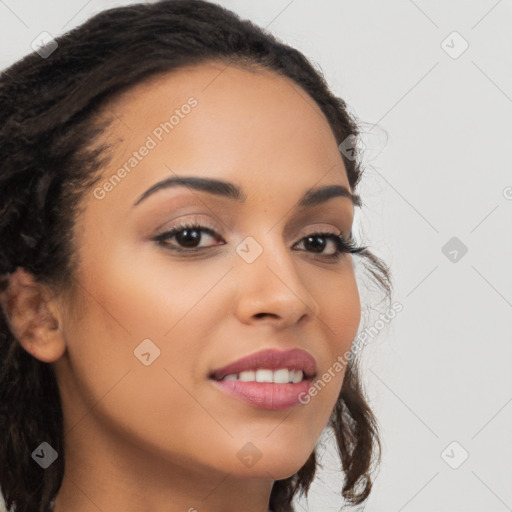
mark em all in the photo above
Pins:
pixel 27 307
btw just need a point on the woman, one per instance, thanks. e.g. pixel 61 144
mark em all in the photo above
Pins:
pixel 176 253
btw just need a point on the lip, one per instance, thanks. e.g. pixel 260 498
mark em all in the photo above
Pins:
pixel 272 359
pixel 267 395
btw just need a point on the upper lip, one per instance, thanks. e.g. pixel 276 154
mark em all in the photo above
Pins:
pixel 272 359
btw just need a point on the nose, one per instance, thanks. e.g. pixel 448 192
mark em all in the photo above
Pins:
pixel 270 289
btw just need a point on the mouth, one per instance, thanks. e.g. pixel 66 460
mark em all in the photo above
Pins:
pixel 269 379
pixel 269 366
pixel 279 376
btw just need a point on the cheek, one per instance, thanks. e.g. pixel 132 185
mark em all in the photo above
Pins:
pixel 129 298
pixel 123 305
pixel 341 316
pixel 140 288
pixel 340 310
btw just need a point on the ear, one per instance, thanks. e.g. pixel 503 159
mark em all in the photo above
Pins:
pixel 33 317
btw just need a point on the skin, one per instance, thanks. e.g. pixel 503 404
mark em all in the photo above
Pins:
pixel 161 437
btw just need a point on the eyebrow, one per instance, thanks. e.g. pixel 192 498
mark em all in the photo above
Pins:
pixel 312 197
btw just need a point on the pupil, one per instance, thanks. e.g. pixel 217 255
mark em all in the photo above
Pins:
pixel 316 244
pixel 189 238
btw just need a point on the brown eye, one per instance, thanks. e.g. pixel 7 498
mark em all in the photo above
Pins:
pixel 315 243
pixel 187 236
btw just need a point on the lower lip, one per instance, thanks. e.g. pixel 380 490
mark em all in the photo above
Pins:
pixel 265 395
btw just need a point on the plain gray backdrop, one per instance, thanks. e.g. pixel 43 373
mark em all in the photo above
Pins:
pixel 432 83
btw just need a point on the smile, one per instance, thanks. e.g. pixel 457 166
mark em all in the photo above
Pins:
pixel 280 376
pixel 269 379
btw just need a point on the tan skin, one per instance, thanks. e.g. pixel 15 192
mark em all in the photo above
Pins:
pixel 161 437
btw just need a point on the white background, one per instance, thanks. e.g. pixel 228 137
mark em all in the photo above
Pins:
pixel 441 371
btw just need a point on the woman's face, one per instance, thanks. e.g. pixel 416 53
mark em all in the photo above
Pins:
pixel 156 318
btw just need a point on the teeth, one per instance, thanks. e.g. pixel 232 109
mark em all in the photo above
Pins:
pixel 297 377
pixel 247 376
pixel 280 376
pixel 264 376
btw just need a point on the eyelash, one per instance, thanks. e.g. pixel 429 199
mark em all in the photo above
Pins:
pixel 343 246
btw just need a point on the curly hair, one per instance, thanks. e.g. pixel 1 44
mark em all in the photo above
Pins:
pixel 50 141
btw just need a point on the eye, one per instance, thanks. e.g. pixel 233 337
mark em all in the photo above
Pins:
pixel 188 237
pixel 341 246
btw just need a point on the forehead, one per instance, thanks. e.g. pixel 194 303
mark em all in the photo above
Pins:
pixel 218 120
pixel 216 83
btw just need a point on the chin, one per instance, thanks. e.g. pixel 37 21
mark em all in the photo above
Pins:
pixel 274 470
pixel 281 470
pixel 276 464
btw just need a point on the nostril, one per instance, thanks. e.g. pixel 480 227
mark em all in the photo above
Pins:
pixel 259 315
